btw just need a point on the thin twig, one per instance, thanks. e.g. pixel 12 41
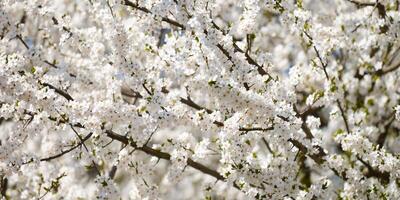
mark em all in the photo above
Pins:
pixel 324 66
pixel 68 150
pixel 59 91
pixel 84 145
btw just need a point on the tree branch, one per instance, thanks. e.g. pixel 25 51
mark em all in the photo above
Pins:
pixel 372 172
pixel 59 91
pixel 145 10
pixel 324 66
pixel 192 104
pixel 68 150
pixel 4 186
pixel 382 137
pixel 163 155
pixel 361 4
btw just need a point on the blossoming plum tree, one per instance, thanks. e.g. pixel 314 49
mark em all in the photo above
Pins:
pixel 200 99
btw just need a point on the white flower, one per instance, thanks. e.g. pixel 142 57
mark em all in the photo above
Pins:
pixel 254 99
pixel 313 122
pixel 201 149
pixel 397 114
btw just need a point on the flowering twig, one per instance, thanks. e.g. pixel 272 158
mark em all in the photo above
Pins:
pixel 68 150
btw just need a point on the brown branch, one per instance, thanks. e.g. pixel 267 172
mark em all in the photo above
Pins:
pixel 192 104
pixel 343 116
pixel 113 171
pixel 324 66
pixel 382 72
pixel 59 91
pixel 147 90
pixel 249 59
pixel 361 4
pixel 377 4
pixel 68 150
pixel 145 10
pixel 51 64
pixel 86 148
pixel 372 172
pixel 109 6
pixel 318 158
pixel 394 55
pixel 224 51
pixel 4 186
pixel 382 137
pixel 163 155
pixel 268 147
pixel 22 41
pixel 256 129
pixel 310 111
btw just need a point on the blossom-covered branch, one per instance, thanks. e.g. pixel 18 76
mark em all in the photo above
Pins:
pixel 168 99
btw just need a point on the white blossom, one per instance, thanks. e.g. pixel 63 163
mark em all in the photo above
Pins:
pixel 216 99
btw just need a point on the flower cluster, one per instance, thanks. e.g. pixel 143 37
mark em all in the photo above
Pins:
pixel 214 99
